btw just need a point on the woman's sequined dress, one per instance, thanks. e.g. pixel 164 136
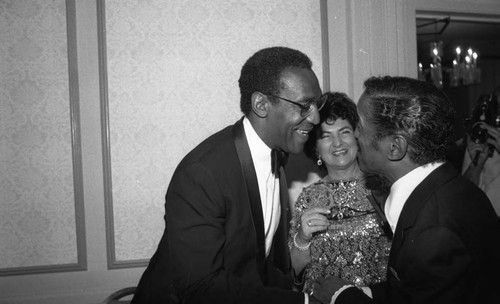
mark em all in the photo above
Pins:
pixel 354 247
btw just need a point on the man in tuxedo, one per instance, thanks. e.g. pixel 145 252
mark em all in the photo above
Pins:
pixel 446 243
pixel 225 239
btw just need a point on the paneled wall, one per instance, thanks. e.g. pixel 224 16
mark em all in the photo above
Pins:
pixel 154 79
pixel 172 69
pixel 100 99
pixel 41 214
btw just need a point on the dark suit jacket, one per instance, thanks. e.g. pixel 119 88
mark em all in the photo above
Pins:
pixel 446 247
pixel 213 247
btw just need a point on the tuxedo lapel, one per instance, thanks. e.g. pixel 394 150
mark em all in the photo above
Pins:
pixel 278 262
pixel 252 186
pixel 377 200
pixel 417 199
pixel 281 254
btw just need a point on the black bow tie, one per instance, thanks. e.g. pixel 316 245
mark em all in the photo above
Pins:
pixel 278 159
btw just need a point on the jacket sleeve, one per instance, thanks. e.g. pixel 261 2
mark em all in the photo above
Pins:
pixel 436 266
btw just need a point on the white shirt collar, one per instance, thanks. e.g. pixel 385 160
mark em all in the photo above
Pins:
pixel 401 190
pixel 261 153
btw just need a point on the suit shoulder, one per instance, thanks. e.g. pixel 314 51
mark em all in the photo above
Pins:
pixel 462 187
pixel 214 158
pixel 214 147
pixel 462 201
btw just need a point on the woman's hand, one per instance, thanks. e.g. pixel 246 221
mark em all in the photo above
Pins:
pixel 311 221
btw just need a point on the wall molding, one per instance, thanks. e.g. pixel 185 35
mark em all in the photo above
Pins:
pixel 79 266
pixel 338 47
pixel 325 48
pixel 74 101
pixel 74 97
pixel 106 149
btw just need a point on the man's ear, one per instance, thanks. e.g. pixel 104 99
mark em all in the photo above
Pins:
pixel 260 104
pixel 398 146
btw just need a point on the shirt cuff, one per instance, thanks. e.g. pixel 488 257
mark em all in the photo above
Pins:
pixel 337 293
pixel 367 291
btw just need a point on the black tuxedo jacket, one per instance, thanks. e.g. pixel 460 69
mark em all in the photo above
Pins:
pixel 446 247
pixel 213 247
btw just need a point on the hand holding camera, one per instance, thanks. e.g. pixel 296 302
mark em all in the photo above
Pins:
pixel 478 151
pixel 493 139
pixel 484 131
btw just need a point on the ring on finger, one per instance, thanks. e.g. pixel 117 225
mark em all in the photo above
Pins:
pixel 309 223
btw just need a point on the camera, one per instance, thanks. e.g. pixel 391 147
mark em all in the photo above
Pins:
pixel 485 111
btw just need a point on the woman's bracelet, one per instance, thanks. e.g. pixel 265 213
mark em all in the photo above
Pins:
pixel 300 248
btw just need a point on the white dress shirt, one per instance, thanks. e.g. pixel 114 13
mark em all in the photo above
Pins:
pixel 401 190
pixel 269 188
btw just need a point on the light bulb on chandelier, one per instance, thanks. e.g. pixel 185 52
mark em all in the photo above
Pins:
pixel 463 69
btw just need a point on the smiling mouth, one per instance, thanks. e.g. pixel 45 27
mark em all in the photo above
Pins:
pixel 339 153
pixel 303 132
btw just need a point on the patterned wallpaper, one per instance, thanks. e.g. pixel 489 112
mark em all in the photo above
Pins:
pixel 173 69
pixel 37 207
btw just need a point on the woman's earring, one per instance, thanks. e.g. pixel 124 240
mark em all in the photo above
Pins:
pixel 319 162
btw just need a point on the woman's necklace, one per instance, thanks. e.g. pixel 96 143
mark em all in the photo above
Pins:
pixel 329 179
pixel 346 175
pixel 344 193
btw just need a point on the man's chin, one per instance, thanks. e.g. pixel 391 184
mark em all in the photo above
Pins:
pixel 294 152
pixel 297 149
pixel 363 167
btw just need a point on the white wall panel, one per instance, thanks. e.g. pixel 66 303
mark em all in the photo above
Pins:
pixel 41 215
pixel 170 74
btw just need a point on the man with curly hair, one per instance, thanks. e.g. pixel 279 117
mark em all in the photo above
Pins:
pixel 446 246
pixel 225 239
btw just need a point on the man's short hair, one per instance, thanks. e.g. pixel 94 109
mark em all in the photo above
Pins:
pixel 262 72
pixel 415 109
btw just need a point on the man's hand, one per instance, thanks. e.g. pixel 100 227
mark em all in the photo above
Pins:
pixel 324 289
pixel 478 153
pixel 493 136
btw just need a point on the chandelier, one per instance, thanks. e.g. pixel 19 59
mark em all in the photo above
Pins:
pixel 463 70
pixel 455 68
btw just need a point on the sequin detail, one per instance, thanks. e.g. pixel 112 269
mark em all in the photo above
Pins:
pixel 354 247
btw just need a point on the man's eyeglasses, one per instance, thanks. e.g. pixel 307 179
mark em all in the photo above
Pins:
pixel 307 106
